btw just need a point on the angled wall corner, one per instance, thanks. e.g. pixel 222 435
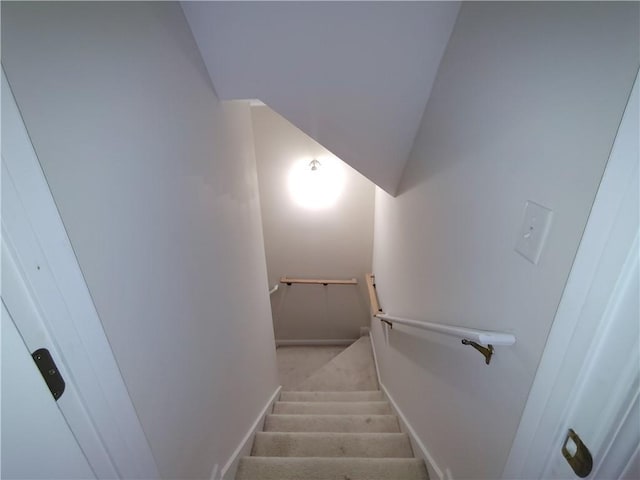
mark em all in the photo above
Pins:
pixel 354 76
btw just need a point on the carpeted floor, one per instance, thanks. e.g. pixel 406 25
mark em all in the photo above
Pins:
pixel 295 364
pixel 353 369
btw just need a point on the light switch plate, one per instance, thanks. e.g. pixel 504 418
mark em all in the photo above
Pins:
pixel 534 231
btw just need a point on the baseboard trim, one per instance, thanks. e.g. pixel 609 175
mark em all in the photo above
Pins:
pixel 416 442
pixel 228 472
pixel 314 343
pixel 375 358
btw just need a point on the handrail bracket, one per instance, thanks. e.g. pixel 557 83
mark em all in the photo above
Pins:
pixel 486 351
pixel 387 322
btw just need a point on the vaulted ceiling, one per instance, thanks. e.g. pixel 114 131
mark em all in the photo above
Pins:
pixel 355 76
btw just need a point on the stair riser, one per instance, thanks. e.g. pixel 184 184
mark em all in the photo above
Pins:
pixel 335 408
pixel 373 396
pixel 332 423
pixel 369 445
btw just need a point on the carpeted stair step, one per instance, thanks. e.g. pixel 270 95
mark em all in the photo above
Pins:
pixel 353 369
pixel 318 468
pixel 361 396
pixel 333 408
pixel 306 444
pixel 332 423
pixel 335 425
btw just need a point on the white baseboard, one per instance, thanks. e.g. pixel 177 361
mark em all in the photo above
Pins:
pixel 228 472
pixel 314 343
pixel 375 358
pixel 416 442
pixel 418 447
pixel 214 472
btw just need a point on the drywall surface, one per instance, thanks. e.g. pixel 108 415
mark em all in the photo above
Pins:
pixel 525 107
pixel 156 183
pixel 335 242
pixel 355 76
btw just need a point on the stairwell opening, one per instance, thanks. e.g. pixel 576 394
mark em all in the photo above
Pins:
pixel 317 216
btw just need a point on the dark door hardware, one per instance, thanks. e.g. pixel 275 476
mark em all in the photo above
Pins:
pixel 49 372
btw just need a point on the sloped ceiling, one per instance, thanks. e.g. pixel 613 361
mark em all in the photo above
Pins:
pixel 355 76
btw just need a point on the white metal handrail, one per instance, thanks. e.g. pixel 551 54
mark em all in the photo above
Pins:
pixel 481 336
pixel 273 290
pixel 318 281
pixel 469 336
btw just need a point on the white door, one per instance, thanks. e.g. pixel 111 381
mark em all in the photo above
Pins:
pixel 37 443
pixel 603 408
pixel 588 381
pixel 24 315
pixel 50 305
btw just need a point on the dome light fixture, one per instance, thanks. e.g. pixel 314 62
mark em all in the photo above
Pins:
pixel 316 185
pixel 315 164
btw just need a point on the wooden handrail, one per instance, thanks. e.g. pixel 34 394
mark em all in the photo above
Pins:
pixel 373 294
pixel 318 281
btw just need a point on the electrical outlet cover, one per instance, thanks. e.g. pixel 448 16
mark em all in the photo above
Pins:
pixel 534 231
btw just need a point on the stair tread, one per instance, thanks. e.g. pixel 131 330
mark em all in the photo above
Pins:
pixel 376 407
pixel 331 423
pixel 307 444
pixel 346 392
pixel 319 468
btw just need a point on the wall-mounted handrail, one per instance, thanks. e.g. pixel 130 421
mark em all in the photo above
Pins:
pixel 470 336
pixel 318 281
pixel 480 336
pixel 273 290
pixel 373 294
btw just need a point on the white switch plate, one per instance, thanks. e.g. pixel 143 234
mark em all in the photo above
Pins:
pixel 532 235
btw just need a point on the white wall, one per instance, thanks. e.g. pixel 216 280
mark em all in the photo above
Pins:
pixel 331 68
pixel 525 107
pixel 336 242
pixel 156 183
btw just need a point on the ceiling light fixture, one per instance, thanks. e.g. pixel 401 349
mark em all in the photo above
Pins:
pixel 315 165
pixel 314 185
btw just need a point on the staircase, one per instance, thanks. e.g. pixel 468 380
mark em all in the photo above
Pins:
pixel 335 426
